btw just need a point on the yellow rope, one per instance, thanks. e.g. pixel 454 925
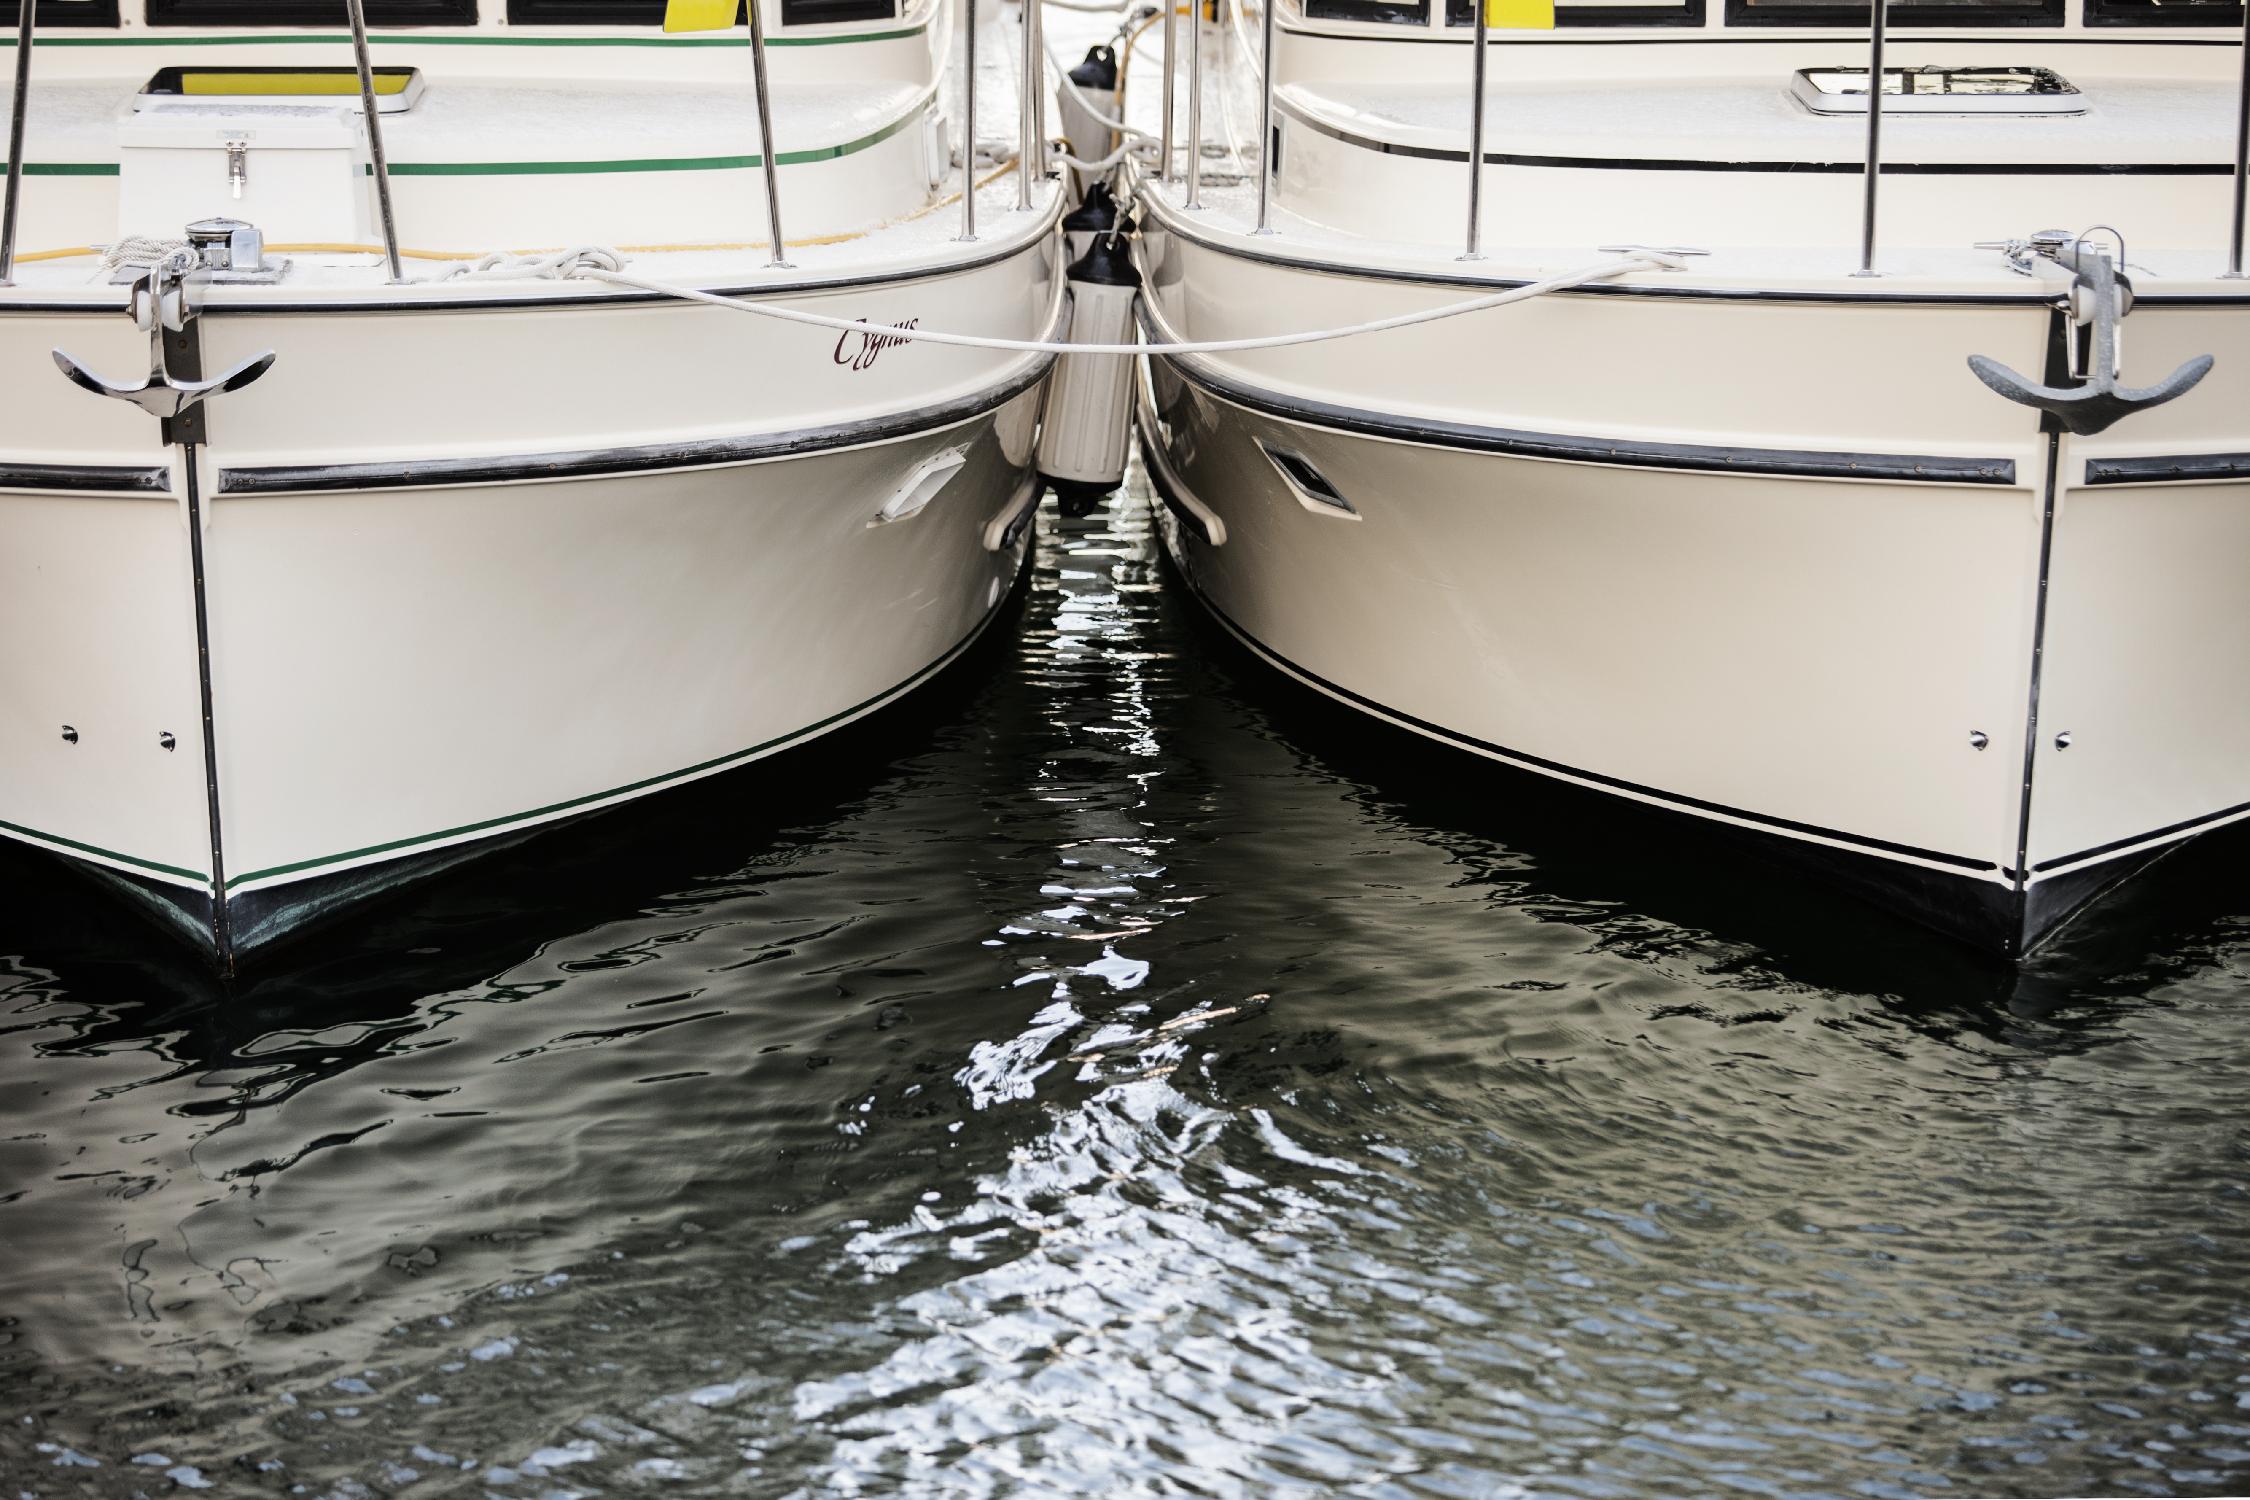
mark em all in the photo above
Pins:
pixel 325 247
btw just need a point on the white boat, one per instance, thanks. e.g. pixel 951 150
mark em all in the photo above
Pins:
pixel 1736 529
pixel 402 548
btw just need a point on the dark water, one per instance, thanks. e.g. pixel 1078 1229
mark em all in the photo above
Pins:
pixel 1117 1076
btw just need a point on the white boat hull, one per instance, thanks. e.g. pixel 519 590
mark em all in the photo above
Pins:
pixel 1881 617
pixel 448 575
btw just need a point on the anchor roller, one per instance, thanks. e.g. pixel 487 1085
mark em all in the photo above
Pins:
pixel 1089 137
pixel 1086 429
pixel 2099 298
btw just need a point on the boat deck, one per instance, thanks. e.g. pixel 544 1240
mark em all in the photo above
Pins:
pixel 2128 121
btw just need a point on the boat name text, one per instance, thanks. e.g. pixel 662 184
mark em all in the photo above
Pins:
pixel 856 348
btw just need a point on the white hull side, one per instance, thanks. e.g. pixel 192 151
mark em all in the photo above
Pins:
pixel 552 559
pixel 1809 655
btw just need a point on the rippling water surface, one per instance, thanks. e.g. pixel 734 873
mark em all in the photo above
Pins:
pixel 1117 1075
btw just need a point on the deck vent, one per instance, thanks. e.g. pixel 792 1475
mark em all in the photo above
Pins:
pixel 1308 484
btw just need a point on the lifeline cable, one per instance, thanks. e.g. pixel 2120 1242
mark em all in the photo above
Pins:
pixel 1603 271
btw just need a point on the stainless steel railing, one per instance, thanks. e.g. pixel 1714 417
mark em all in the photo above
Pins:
pixel 27 22
pixel 2241 157
pixel 1474 249
pixel 1878 15
pixel 768 157
pixel 356 10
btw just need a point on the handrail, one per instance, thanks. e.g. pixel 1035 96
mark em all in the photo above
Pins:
pixel 27 22
pixel 356 11
pixel 771 168
pixel 1476 138
pixel 1879 15
pixel 2241 157
pixel 1195 107
pixel 1026 131
pixel 969 121
pixel 1171 82
pixel 1266 167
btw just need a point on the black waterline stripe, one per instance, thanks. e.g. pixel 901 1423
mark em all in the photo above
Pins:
pixel 1793 168
pixel 2178 467
pixel 2170 830
pixel 643 458
pixel 1669 799
pixel 1429 432
pixel 86 479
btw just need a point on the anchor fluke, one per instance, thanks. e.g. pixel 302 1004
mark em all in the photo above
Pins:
pixel 162 394
pixel 2098 404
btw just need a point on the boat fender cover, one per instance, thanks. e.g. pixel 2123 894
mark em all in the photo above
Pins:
pixel 1092 83
pixel 1087 426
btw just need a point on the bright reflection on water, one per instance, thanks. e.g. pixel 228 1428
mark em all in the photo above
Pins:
pixel 1118 1076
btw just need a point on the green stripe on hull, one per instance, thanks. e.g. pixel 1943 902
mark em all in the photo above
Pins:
pixel 150 865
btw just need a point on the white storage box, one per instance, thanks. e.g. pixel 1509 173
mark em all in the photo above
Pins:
pixel 297 171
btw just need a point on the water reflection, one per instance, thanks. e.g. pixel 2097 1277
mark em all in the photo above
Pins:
pixel 1114 1077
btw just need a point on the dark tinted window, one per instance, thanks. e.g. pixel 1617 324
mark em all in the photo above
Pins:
pixel 2110 13
pixel 651 12
pixel 1664 13
pixel 303 13
pixel 1910 13
pixel 67 13
pixel 1389 12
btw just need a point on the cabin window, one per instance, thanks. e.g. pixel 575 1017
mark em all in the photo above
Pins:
pixel 303 13
pixel 651 12
pixel 1854 13
pixel 1383 12
pixel 2107 13
pixel 70 13
pixel 1600 13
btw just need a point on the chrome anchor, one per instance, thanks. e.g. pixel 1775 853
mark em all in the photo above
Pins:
pixel 159 304
pixel 2099 295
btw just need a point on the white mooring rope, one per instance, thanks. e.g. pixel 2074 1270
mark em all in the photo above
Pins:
pixel 1603 271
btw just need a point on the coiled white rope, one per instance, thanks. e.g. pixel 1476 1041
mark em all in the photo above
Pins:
pixel 1602 271
pixel 558 265
pixel 141 251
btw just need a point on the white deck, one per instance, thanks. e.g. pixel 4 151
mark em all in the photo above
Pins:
pixel 2128 120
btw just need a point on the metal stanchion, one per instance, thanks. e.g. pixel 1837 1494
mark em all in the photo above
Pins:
pixel 1266 167
pixel 1195 106
pixel 1171 79
pixel 27 22
pixel 1027 129
pixel 1476 140
pixel 356 10
pixel 2241 156
pixel 1039 86
pixel 969 120
pixel 1878 12
pixel 766 152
